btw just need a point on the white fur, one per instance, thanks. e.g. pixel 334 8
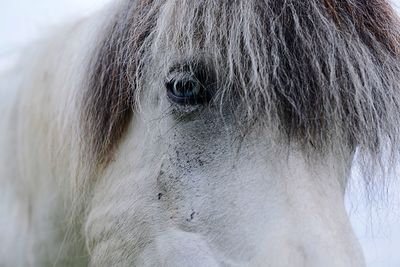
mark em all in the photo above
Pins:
pixel 35 168
pixel 260 206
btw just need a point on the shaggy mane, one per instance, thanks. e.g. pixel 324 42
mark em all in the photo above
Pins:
pixel 108 100
pixel 321 72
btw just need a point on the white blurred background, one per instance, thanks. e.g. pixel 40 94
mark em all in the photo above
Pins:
pixel 377 226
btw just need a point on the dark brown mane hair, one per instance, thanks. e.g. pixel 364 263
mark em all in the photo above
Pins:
pixel 371 18
pixel 108 101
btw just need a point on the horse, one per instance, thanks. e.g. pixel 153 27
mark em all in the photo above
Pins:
pixel 197 133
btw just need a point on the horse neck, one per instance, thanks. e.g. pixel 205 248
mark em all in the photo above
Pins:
pixel 39 157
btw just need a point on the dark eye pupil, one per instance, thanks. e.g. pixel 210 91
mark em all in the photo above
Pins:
pixel 185 88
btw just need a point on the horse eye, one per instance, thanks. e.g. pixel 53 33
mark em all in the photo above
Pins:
pixel 186 90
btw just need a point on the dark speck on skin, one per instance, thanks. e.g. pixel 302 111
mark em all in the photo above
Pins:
pixel 160 195
pixel 191 217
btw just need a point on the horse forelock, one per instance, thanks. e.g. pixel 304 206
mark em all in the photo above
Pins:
pixel 320 71
pixel 107 105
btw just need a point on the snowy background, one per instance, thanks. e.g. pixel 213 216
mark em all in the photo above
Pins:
pixel 377 226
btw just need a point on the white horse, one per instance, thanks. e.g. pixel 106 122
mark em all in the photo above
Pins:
pixel 196 133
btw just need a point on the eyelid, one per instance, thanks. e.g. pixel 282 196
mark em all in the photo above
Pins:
pixel 194 66
pixel 180 76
